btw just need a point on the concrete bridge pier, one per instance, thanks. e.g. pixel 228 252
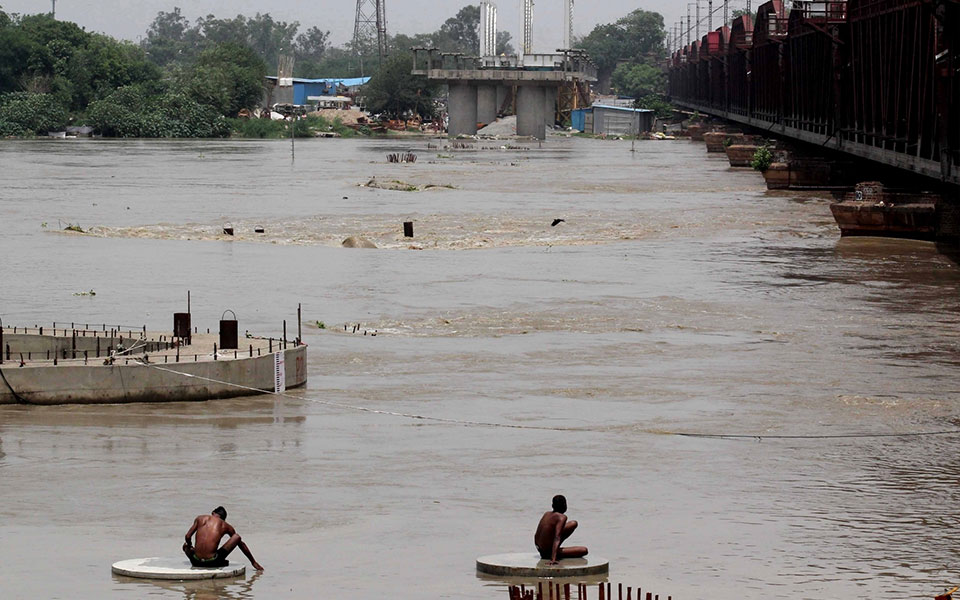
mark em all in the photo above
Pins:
pixel 462 109
pixel 551 96
pixel 531 101
pixel 487 104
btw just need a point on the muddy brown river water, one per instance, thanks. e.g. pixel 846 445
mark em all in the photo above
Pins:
pixel 679 296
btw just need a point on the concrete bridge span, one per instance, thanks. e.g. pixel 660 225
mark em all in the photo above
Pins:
pixel 479 87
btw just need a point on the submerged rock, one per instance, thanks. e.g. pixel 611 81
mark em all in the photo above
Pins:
pixel 357 242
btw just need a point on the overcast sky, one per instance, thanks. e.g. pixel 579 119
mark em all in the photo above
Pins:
pixel 130 18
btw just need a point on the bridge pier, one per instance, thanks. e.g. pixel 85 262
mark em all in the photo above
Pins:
pixel 480 86
pixel 462 109
pixel 487 104
pixel 531 101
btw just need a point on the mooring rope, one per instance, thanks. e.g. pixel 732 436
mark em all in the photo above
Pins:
pixel 588 429
pixel 368 409
pixel 20 399
pixel 825 436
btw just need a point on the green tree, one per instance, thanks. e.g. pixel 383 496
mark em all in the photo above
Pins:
pixel 169 37
pixel 461 33
pixel 312 44
pixel 25 113
pixel 394 92
pixel 636 38
pixel 227 77
pixel 503 43
pixel 638 80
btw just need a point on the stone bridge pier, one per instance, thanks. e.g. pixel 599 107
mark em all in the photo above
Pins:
pixel 480 86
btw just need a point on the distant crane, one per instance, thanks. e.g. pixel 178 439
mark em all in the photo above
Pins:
pixel 370 25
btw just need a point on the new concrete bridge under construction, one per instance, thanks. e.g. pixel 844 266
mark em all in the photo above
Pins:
pixel 481 86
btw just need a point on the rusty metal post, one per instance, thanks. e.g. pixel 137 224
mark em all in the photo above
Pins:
pixel 1 340
pixel 214 352
pixel 299 324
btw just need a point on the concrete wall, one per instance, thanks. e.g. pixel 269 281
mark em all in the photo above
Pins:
pixel 39 345
pixel 99 384
pixel 462 109
pixel 486 104
pixel 530 119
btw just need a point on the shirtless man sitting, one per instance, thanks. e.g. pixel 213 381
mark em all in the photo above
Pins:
pixel 553 529
pixel 210 529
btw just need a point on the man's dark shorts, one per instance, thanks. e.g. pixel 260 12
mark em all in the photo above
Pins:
pixel 220 560
pixel 545 554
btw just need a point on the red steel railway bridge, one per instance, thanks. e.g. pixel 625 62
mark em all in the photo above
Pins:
pixel 875 79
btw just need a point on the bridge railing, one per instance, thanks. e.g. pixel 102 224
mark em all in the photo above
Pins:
pixel 818 10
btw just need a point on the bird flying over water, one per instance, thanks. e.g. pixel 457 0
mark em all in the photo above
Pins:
pixel 557 222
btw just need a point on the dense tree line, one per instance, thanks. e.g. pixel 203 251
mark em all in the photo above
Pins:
pixel 629 54
pixel 53 73
pixel 184 79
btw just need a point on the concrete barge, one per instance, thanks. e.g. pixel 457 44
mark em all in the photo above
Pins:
pixel 93 367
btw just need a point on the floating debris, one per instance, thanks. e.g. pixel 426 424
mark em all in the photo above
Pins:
pixel 228 229
pixel 397 157
pixel 74 228
pixel 90 293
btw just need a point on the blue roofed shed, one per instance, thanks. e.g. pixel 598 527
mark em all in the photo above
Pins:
pixel 304 88
pixel 612 120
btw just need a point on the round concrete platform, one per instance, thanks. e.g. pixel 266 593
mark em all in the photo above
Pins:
pixel 172 568
pixel 529 564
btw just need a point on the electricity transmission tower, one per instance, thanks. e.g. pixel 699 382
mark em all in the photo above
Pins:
pixel 370 26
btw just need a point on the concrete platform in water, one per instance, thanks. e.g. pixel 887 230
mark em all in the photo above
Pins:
pixel 84 367
pixel 529 564
pixel 178 569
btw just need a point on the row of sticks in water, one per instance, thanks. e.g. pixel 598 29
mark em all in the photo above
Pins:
pixel 556 591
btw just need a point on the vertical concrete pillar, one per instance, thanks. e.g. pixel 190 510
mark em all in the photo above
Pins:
pixel 502 93
pixel 530 104
pixel 462 109
pixel 551 96
pixel 486 103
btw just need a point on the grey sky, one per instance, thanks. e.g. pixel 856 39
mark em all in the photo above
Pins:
pixel 130 18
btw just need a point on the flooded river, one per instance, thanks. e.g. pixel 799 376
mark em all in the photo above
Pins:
pixel 678 296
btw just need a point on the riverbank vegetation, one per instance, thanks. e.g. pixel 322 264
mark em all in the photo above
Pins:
pixel 202 78
pixel 629 54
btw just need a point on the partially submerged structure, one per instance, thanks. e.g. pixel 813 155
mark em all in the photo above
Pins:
pixel 604 119
pixel 84 365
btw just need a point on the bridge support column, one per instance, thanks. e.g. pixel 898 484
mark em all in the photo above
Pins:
pixel 487 103
pixel 462 109
pixel 530 104
pixel 551 96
